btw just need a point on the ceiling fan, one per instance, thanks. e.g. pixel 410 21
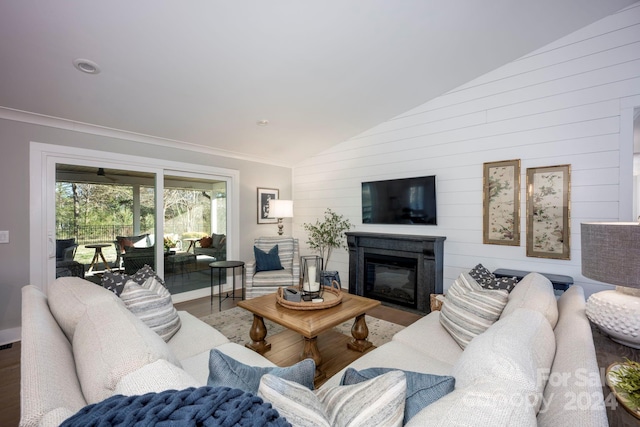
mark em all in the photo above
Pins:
pixel 103 174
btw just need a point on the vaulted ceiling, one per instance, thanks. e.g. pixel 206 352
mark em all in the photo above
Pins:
pixel 204 72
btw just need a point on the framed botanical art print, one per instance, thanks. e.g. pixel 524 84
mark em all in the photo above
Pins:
pixel 548 197
pixel 264 195
pixel 501 203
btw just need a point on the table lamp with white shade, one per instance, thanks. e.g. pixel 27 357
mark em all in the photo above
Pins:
pixel 611 254
pixel 280 209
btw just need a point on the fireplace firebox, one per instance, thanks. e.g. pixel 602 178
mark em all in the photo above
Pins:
pixel 391 279
pixel 399 270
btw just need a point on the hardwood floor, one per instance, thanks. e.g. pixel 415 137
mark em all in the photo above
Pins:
pixel 289 345
pixel 10 385
pixel 202 307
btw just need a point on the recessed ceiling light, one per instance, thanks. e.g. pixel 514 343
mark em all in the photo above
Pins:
pixel 262 122
pixel 86 66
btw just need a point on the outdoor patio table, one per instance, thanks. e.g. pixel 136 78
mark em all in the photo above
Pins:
pixel 192 243
pixel 98 255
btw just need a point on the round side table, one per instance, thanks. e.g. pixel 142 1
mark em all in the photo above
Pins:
pixel 223 266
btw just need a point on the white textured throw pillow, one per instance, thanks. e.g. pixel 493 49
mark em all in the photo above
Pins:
pixel 155 310
pixel 376 402
pixel 109 343
pixel 516 353
pixel 469 309
pixel 534 292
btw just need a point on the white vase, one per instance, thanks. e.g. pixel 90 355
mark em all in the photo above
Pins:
pixel 617 314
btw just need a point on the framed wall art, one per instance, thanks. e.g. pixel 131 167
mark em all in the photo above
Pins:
pixel 264 195
pixel 501 203
pixel 548 196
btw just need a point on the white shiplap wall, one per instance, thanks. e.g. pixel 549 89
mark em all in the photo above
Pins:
pixel 566 103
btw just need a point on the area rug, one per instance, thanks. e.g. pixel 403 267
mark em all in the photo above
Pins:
pixel 236 322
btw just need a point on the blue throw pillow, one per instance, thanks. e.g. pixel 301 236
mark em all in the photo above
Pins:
pixel 225 371
pixel 267 261
pixel 422 389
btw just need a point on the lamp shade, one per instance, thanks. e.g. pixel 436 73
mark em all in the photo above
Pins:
pixel 280 208
pixel 611 252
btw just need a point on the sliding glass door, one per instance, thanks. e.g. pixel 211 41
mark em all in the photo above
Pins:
pixel 109 218
pixel 195 230
pixel 94 212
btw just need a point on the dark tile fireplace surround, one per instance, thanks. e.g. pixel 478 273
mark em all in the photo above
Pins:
pixel 399 270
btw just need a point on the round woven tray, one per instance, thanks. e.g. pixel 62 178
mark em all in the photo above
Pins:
pixel 332 297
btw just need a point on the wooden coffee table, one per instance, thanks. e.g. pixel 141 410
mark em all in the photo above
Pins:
pixel 309 323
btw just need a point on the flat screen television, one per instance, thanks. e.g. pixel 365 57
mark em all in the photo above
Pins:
pixel 400 201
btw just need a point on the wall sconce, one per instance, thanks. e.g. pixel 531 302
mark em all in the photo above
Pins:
pixel 280 209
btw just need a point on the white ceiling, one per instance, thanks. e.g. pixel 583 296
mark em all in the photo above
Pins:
pixel 204 72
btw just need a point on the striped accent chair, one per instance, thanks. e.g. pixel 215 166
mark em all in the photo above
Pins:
pixel 266 282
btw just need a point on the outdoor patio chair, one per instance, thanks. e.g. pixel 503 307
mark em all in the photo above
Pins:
pixel 66 249
pixel 214 246
pixel 65 265
pixel 136 258
pixel 123 242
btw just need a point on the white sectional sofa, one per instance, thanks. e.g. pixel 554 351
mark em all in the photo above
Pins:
pixel 538 337
pixel 81 345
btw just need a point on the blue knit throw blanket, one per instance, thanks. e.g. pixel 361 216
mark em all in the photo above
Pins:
pixel 203 406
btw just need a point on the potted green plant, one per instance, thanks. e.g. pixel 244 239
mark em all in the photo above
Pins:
pixel 624 379
pixel 328 235
pixel 169 243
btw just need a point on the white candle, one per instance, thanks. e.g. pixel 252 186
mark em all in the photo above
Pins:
pixel 312 285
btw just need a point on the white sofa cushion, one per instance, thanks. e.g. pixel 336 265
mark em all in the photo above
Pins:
pixel 376 402
pixel 194 337
pixel 48 382
pixel 54 418
pixel 70 298
pixel 512 354
pixel 574 378
pixel 486 404
pixel 469 309
pixel 534 292
pixel 154 378
pixel 423 333
pixel 498 380
pixel 109 343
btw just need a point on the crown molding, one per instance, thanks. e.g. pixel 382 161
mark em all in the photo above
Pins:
pixel 74 126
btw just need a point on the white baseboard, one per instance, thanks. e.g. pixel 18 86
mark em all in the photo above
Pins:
pixel 203 292
pixel 10 335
